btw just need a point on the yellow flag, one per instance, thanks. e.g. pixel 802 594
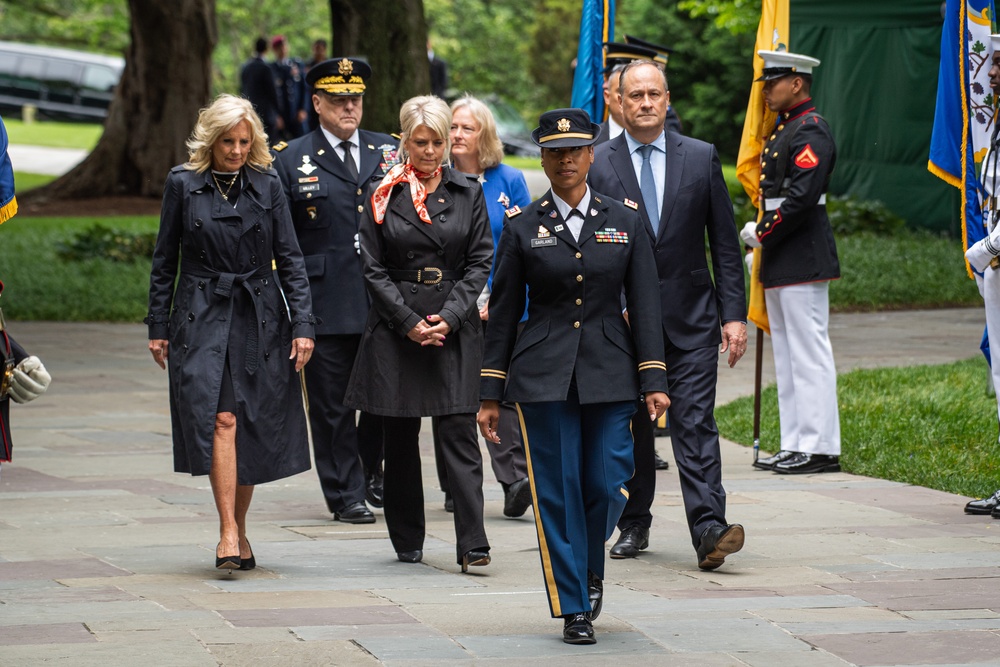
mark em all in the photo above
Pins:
pixel 772 35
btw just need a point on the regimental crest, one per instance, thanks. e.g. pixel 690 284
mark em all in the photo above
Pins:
pixel 307 167
pixel 563 125
pixel 345 67
pixel 543 233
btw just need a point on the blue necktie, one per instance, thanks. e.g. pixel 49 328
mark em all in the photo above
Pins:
pixel 648 188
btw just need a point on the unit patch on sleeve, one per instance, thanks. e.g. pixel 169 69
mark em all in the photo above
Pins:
pixel 806 159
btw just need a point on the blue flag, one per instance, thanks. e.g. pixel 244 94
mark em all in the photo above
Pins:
pixel 597 25
pixel 8 202
pixel 963 116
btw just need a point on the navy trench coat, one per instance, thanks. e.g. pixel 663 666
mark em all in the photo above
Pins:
pixel 227 303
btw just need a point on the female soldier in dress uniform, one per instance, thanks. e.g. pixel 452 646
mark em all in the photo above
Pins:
pixel 578 366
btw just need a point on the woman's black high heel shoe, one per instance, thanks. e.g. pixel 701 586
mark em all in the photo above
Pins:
pixel 227 562
pixel 475 558
pixel 248 563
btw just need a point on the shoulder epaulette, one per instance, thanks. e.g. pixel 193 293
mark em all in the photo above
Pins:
pixel 631 204
pixel 513 212
pixel 395 136
pixel 280 146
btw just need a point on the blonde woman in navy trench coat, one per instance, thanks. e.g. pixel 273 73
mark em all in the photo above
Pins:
pixel 232 348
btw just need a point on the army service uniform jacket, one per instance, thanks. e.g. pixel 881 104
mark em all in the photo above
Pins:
pixel 575 327
pixel 326 205
pixel 794 231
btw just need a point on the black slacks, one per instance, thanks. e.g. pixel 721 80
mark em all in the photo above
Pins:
pixel 691 378
pixel 404 489
pixel 333 425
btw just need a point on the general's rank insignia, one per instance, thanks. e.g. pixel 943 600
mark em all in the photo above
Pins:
pixel 610 235
pixel 511 212
pixel 543 233
pixel 306 167
pixel 632 205
pixel 806 159
pixel 280 146
pixel 504 200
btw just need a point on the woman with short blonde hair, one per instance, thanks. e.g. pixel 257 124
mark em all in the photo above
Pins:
pixel 427 110
pixel 222 115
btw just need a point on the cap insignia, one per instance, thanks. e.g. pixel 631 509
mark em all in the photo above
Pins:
pixel 563 125
pixel 345 66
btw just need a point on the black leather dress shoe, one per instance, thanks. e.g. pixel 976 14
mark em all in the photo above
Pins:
pixel 631 541
pixel 578 629
pixel 449 503
pixel 804 464
pixel 595 591
pixel 355 513
pixel 414 556
pixel 475 558
pixel 770 461
pixel 659 463
pixel 374 490
pixel 517 499
pixel 717 542
pixel 983 505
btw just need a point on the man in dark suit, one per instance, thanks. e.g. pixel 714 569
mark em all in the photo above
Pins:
pixel 682 194
pixel 257 85
pixel 616 56
pixel 289 80
pixel 326 175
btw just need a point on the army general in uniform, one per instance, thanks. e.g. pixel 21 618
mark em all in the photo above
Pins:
pixel 325 175
pixel 578 367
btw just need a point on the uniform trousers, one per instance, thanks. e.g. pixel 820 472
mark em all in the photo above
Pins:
pixel 333 425
pixel 404 490
pixel 579 458
pixel 799 316
pixel 991 299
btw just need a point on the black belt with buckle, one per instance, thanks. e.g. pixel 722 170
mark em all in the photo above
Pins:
pixel 428 275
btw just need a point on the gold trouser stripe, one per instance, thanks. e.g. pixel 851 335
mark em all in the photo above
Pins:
pixel 543 547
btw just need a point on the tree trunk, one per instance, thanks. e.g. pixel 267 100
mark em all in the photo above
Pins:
pixel 167 79
pixel 392 36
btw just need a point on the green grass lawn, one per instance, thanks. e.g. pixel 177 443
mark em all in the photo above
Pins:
pixel 523 162
pixel 24 182
pixel 53 133
pixel 38 285
pixel 932 426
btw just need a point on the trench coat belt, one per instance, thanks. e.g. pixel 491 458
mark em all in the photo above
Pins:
pixel 429 275
pixel 224 288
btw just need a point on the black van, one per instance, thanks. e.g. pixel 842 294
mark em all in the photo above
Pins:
pixel 60 83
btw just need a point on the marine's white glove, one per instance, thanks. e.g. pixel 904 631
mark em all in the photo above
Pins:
pixel 749 234
pixel 981 252
pixel 29 380
pixel 748 260
pixel 357 244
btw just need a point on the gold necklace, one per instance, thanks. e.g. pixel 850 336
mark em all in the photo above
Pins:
pixel 225 195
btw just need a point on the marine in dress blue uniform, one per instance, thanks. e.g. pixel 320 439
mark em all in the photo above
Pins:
pixel 326 195
pixel 578 366
pixel 797 262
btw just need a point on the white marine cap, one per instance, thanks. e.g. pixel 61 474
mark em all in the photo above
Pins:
pixel 995 42
pixel 782 63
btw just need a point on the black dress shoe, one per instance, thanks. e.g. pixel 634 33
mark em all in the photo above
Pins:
pixel 983 505
pixel 659 463
pixel 374 490
pixel 355 513
pixel 804 464
pixel 630 542
pixel 449 503
pixel 517 499
pixel 595 591
pixel 717 542
pixel 229 563
pixel 770 461
pixel 475 558
pixel 414 556
pixel 248 563
pixel 578 629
